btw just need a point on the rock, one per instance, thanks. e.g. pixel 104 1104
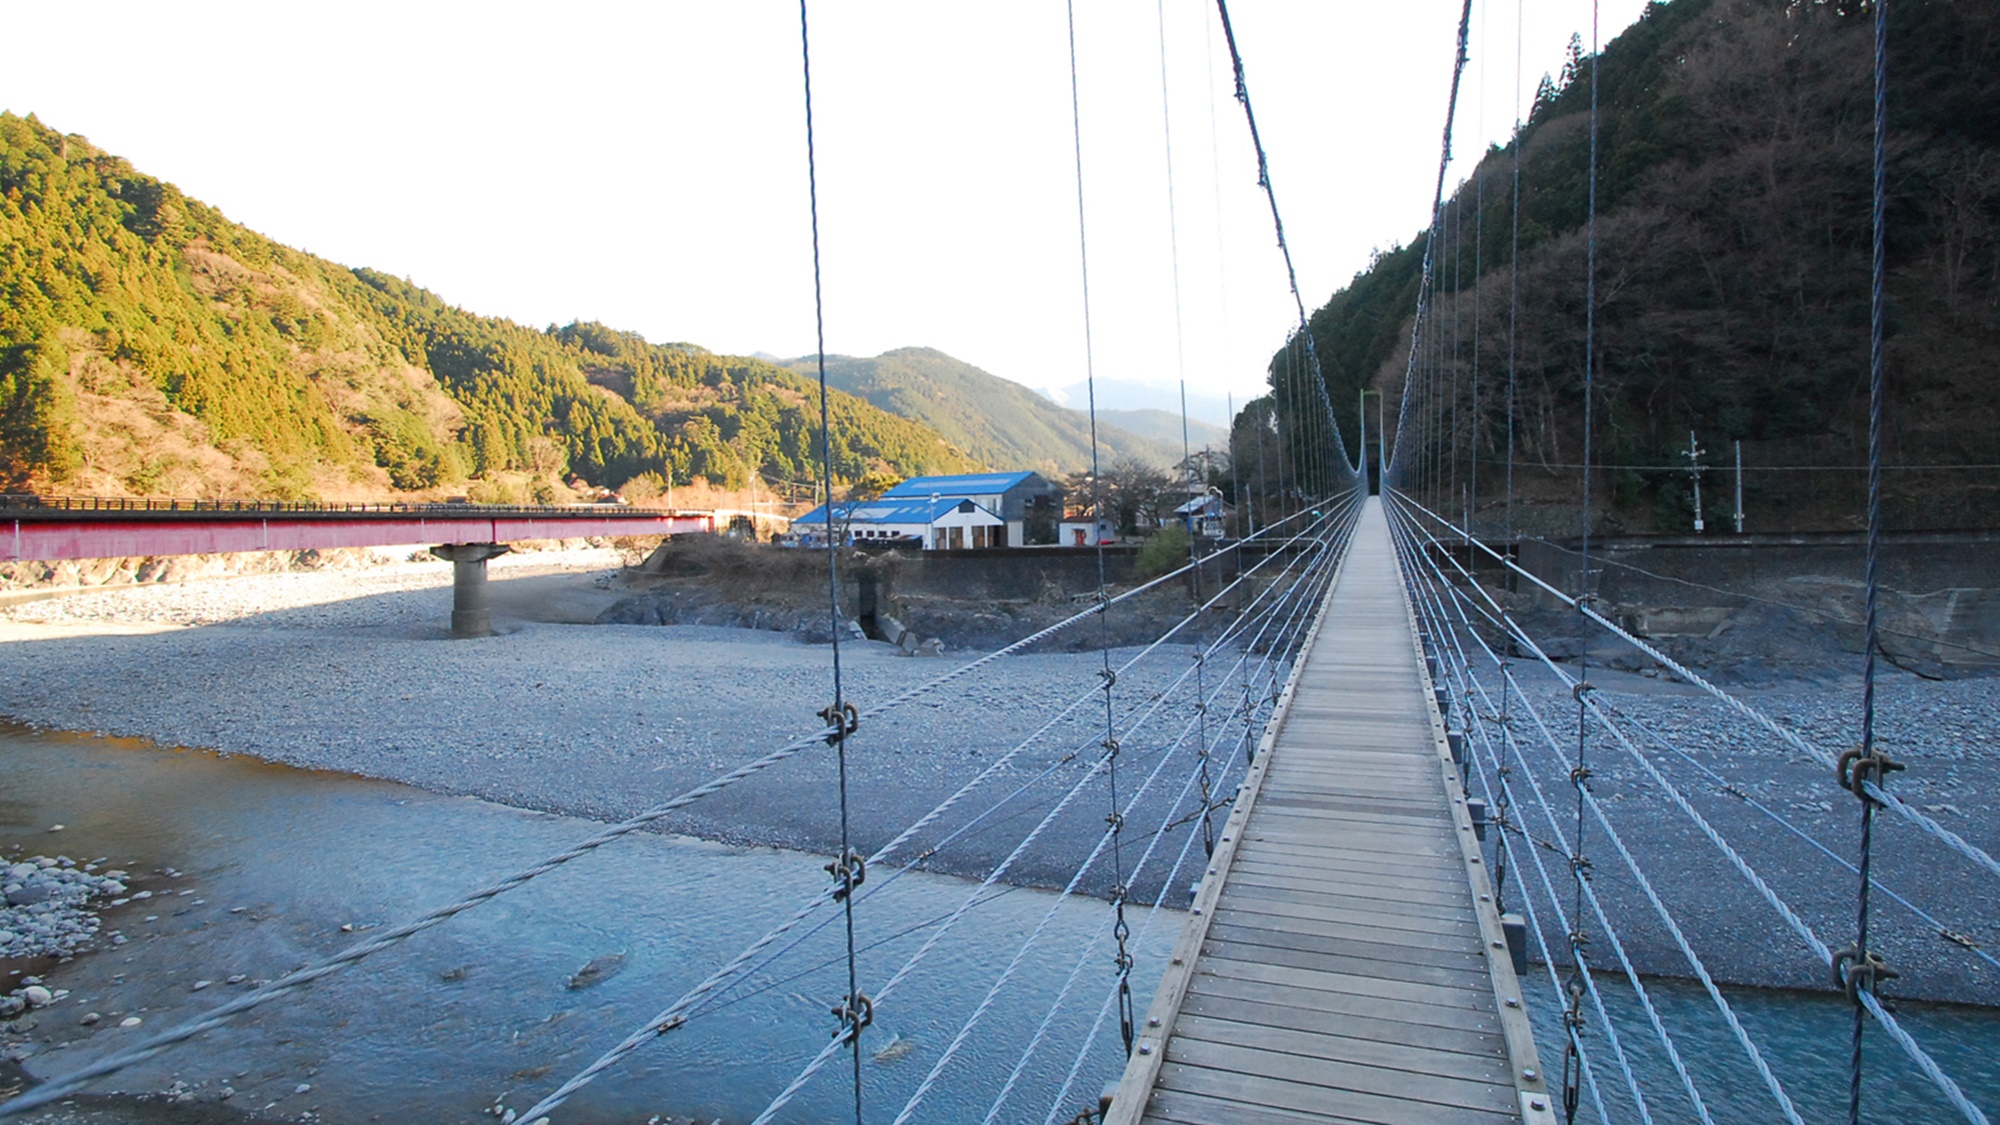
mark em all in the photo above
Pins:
pixel 130 1021
pixel 55 828
pixel 38 996
pixel 201 984
pixel 302 1088
pixel 28 894
pixel 89 1019
pixel 598 971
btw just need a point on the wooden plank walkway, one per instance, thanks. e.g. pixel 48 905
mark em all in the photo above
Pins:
pixel 1342 960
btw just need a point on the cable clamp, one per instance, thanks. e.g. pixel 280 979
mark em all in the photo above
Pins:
pixel 1858 767
pixel 1117 822
pixel 1581 689
pixel 1856 971
pixel 1109 677
pixel 1110 745
pixel 855 1013
pixel 850 871
pixel 673 1024
pixel 1579 776
pixel 1579 941
pixel 843 719
pixel 1581 865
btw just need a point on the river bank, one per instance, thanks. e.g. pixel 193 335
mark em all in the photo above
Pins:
pixel 351 672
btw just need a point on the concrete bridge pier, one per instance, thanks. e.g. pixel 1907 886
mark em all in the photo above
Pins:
pixel 469 615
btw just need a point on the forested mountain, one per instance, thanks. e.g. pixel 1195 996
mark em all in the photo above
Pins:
pixel 148 345
pixel 999 422
pixel 1732 278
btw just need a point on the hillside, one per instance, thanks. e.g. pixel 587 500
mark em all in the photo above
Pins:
pixel 1733 266
pixel 149 346
pixel 996 421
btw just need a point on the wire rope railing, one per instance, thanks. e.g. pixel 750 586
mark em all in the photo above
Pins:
pixel 676 1014
pixel 1422 552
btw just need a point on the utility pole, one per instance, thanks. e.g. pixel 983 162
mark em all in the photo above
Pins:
pixel 1694 473
pixel 1739 488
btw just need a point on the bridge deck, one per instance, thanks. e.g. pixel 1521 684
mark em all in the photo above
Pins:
pixel 1343 959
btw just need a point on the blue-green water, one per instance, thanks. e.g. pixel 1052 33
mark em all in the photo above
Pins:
pixel 277 860
pixel 1804 1036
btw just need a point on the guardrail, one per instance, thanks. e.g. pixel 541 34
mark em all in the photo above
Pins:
pixel 18 503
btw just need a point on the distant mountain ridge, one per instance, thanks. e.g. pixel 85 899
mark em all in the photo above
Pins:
pixel 994 420
pixel 1139 394
pixel 1167 426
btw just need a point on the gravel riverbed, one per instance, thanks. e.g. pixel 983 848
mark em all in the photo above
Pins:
pixel 352 671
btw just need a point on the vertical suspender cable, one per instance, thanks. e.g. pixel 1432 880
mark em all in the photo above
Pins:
pixel 1187 455
pixel 1580 773
pixel 1514 271
pixel 1478 269
pixel 1876 300
pixel 852 1009
pixel 1121 930
pixel 1417 336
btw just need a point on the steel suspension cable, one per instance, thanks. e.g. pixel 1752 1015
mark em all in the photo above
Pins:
pixel 1861 972
pixel 1784 734
pixel 1923 1060
pixel 1430 244
pixel 1463 665
pixel 852 1011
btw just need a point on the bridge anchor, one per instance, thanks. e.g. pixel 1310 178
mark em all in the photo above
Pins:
pixel 469 615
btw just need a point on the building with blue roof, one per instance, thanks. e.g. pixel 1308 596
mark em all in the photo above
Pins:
pixel 1028 505
pixel 945 523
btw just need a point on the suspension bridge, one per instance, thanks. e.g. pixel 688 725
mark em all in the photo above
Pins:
pixel 1313 746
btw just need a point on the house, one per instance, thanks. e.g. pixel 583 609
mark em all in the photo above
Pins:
pixel 1204 514
pixel 946 523
pixel 1076 531
pixel 1027 504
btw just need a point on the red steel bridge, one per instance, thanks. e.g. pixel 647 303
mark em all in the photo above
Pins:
pixel 52 528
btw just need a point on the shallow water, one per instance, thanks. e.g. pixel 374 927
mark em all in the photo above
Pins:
pixel 1803 1036
pixel 274 861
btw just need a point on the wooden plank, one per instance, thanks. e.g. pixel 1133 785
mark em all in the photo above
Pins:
pixel 1235 928
pixel 1350 928
pixel 1332 1105
pixel 1429 1037
pixel 1178 1107
pixel 1386 966
pixel 1478 999
pixel 1381 920
pixel 1338 1079
pixel 1346 1004
pixel 1336 964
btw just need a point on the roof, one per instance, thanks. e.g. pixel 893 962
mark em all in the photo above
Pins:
pixel 885 510
pixel 965 484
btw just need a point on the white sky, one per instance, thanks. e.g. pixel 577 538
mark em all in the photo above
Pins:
pixel 643 163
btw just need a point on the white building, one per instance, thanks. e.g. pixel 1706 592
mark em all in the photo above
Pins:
pixel 948 523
